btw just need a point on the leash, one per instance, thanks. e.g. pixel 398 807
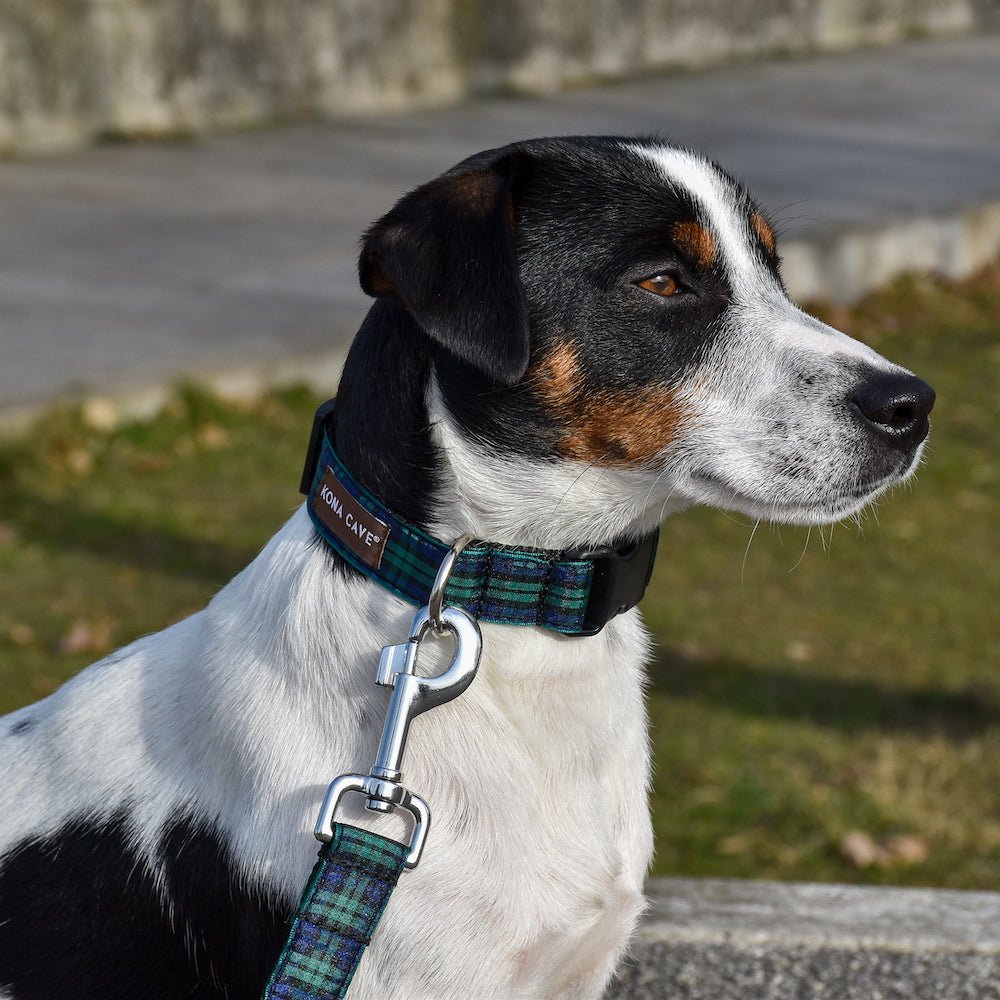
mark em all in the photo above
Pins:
pixel 357 870
pixel 574 593
pixel 342 903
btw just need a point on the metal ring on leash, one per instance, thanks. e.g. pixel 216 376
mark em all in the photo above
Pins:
pixel 436 600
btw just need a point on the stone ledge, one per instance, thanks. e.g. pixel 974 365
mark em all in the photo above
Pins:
pixel 719 939
pixel 844 263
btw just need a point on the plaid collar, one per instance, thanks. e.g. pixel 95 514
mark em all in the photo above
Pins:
pixel 572 592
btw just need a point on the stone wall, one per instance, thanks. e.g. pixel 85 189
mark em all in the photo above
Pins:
pixel 72 70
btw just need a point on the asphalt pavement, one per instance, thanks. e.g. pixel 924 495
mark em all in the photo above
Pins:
pixel 124 267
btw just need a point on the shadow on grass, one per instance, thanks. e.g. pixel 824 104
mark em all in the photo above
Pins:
pixel 845 704
pixel 60 528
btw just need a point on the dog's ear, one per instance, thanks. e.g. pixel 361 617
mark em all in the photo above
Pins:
pixel 446 252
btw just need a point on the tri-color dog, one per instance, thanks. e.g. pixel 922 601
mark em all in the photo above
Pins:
pixel 571 339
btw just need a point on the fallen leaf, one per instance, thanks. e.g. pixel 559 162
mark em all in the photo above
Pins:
pixel 80 461
pixel 212 436
pixel 21 635
pixel 100 413
pixel 737 843
pixel 859 848
pixel 86 637
pixel 908 849
pixel 798 651
pixel 863 851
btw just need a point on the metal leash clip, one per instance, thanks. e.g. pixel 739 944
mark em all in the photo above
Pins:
pixel 411 695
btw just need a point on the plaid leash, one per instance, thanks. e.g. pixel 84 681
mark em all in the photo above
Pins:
pixel 340 908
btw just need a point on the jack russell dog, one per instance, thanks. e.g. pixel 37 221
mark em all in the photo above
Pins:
pixel 571 339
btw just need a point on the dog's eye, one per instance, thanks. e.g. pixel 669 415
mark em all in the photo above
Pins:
pixel 661 284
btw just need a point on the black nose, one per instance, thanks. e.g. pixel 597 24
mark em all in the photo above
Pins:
pixel 896 407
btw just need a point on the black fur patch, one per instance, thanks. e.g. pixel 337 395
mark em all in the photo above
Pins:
pixel 594 219
pixel 81 916
pixel 22 726
pixel 380 421
pixel 446 251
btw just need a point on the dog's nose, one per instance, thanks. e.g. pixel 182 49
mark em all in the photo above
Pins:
pixel 896 407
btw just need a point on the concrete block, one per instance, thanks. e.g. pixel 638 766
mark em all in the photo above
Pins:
pixel 843 264
pixel 721 939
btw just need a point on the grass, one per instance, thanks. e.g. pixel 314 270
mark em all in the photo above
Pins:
pixel 805 687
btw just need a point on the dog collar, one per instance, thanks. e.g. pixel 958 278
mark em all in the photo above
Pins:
pixel 575 592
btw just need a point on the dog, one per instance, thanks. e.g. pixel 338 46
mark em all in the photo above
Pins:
pixel 571 339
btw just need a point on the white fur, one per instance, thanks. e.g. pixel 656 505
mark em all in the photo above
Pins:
pixel 556 504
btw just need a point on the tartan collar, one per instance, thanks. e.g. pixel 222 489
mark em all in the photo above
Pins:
pixel 574 592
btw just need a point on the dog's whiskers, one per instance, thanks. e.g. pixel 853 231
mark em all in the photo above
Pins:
pixel 572 486
pixel 802 554
pixel 746 551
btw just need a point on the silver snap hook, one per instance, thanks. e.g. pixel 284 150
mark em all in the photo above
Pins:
pixel 436 600
pixel 411 696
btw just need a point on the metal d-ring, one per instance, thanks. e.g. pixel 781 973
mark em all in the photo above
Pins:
pixel 436 600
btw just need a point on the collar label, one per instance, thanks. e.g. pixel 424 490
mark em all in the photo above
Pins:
pixel 359 530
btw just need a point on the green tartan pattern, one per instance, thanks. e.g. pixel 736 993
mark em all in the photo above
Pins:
pixel 492 583
pixel 343 901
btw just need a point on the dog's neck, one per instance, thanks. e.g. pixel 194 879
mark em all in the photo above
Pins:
pixel 397 435
pixel 512 499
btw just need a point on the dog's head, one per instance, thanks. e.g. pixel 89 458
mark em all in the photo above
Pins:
pixel 611 330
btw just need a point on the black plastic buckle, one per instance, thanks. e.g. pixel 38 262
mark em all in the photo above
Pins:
pixel 621 575
pixel 315 446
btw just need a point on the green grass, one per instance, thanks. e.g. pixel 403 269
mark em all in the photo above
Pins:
pixel 804 687
pixel 107 536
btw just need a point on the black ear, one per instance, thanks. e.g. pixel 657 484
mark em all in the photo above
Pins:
pixel 446 252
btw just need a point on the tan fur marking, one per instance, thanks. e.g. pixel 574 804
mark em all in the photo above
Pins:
pixel 605 427
pixel 693 238
pixel 764 231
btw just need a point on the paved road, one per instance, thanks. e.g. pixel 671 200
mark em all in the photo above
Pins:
pixel 132 264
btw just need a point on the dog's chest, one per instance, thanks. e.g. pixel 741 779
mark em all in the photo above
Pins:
pixel 537 780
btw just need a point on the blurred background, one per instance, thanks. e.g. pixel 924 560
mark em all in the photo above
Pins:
pixel 182 186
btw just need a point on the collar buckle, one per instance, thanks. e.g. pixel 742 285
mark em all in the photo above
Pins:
pixel 621 575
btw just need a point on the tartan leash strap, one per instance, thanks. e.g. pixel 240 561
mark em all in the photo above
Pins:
pixel 357 870
pixel 575 592
pixel 342 903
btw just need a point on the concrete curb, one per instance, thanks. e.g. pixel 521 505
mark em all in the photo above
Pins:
pixel 843 265
pixel 722 939
pixel 142 400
